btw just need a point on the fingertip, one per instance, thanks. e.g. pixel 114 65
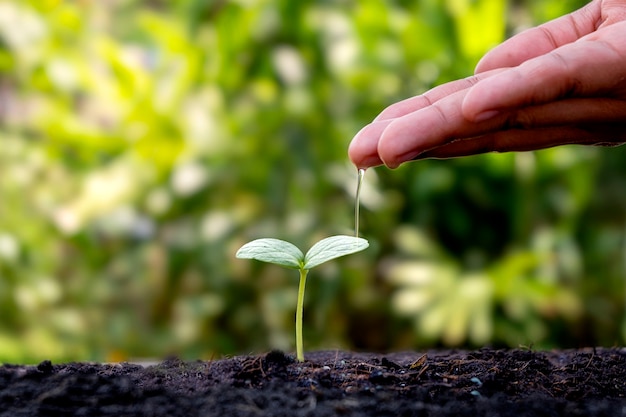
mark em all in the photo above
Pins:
pixel 362 160
pixel 479 104
pixel 469 107
pixel 485 115
pixel 396 146
pixel 498 58
pixel 483 64
pixel 363 149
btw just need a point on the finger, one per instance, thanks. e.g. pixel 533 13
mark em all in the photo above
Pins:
pixel 412 104
pixel 409 137
pixel 542 39
pixel 525 140
pixel 570 71
pixel 405 137
pixel 363 150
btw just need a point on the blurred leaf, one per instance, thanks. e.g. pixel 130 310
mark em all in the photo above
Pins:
pixel 480 24
pixel 142 141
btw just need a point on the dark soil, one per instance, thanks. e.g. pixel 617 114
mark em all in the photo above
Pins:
pixel 486 382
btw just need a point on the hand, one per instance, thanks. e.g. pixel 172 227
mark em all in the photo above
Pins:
pixel 560 83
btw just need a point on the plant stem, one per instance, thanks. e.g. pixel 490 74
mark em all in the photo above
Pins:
pixel 299 310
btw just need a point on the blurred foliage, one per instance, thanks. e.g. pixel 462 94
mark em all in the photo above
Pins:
pixel 142 142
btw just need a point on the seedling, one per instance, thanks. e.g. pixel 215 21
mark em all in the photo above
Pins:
pixel 283 253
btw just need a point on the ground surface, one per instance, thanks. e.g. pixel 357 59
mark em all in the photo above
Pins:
pixel 486 382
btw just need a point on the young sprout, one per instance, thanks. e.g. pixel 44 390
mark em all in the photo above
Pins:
pixel 283 253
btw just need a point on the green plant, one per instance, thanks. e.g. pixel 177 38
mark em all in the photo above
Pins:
pixel 283 253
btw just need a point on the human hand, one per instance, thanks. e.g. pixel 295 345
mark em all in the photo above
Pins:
pixel 560 83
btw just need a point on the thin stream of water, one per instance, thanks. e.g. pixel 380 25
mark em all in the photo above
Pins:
pixel 357 202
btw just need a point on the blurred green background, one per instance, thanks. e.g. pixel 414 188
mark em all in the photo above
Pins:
pixel 143 142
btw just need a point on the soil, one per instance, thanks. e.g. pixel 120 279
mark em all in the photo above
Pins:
pixel 486 382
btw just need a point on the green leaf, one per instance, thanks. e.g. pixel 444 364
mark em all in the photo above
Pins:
pixel 331 248
pixel 274 251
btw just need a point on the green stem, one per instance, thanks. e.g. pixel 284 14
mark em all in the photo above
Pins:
pixel 299 309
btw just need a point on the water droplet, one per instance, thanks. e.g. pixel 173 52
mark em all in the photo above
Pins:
pixel 357 203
